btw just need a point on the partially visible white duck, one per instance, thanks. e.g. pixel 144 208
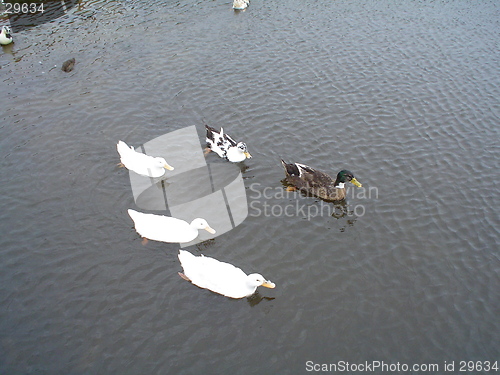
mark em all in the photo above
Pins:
pixel 240 4
pixel 140 163
pixel 166 228
pixel 225 146
pixel 5 36
pixel 220 277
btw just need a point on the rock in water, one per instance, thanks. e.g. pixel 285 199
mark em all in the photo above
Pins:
pixel 68 66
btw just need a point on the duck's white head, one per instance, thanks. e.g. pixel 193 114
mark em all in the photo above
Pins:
pixel 254 280
pixel 5 35
pixel 162 163
pixel 199 223
pixel 242 147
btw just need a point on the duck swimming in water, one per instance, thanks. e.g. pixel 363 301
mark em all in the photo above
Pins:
pixel 5 36
pixel 225 146
pixel 140 163
pixel 220 277
pixel 166 228
pixel 318 183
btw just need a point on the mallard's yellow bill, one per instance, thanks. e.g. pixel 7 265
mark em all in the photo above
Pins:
pixel 247 154
pixel 169 167
pixel 356 182
pixel 210 230
pixel 269 284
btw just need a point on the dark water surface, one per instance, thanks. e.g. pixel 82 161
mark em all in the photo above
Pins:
pixel 404 94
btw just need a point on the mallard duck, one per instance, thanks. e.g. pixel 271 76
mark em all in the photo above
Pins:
pixel 226 147
pixel 240 4
pixel 5 36
pixel 220 277
pixel 318 183
pixel 166 228
pixel 68 65
pixel 140 163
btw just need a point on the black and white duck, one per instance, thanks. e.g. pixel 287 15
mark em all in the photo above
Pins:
pixel 225 146
pixel 5 36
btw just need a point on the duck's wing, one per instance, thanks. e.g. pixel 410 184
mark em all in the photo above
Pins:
pixel 304 177
pixel 298 170
pixel 212 134
pixel 216 141
pixel 148 224
pixel 230 142
pixel 313 177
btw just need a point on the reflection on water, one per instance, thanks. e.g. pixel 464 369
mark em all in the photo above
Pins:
pixel 402 94
pixel 279 201
pixel 256 298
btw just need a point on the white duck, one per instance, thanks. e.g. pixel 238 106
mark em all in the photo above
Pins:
pixel 140 163
pixel 5 36
pixel 226 147
pixel 240 4
pixel 220 277
pixel 166 228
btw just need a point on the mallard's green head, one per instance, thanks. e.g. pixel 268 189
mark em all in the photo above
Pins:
pixel 346 176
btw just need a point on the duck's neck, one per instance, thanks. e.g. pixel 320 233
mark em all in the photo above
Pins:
pixel 338 184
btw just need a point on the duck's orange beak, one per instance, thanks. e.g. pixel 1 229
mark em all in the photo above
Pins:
pixel 209 229
pixel 269 284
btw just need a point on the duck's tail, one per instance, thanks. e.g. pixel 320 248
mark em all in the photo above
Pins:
pixel 285 165
pixel 123 148
pixel 211 131
pixel 185 257
pixel 134 215
pixel 291 169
